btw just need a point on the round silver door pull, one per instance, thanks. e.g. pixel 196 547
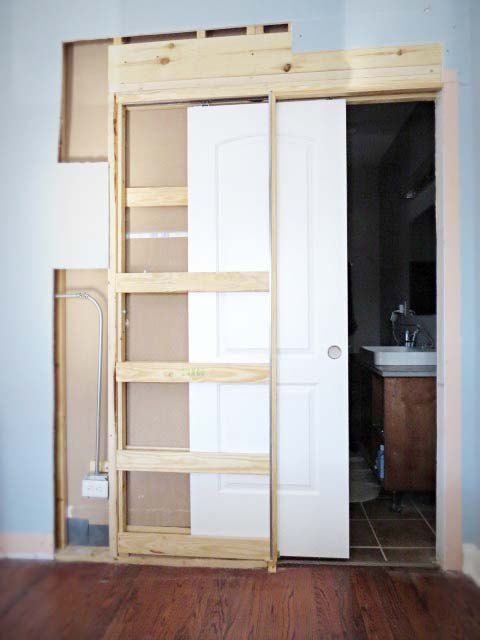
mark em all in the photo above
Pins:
pixel 334 352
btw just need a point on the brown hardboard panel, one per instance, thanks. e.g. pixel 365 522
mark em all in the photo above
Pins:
pixel 157 148
pixel 158 499
pixel 157 415
pixel 157 324
pixel 156 254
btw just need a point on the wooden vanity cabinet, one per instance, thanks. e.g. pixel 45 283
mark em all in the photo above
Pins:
pixel 401 414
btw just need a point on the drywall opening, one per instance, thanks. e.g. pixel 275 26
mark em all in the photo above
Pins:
pixel 276 28
pixel 84 110
pixel 156 329
pixel 80 520
pixel 392 303
pixel 84 118
pixel 184 35
pixel 234 31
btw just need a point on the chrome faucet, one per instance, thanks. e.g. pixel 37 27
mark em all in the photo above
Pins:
pixel 405 315
pixel 410 337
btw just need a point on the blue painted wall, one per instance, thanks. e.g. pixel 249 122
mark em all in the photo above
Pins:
pixel 31 33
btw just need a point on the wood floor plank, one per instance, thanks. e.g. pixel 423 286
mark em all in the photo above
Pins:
pixel 17 578
pixel 374 616
pixel 455 610
pixel 282 604
pixel 383 587
pixel 68 603
pixel 157 596
pixel 235 605
pixel 419 615
pixel 336 602
pixel 109 601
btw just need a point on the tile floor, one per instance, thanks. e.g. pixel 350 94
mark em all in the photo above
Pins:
pixel 381 536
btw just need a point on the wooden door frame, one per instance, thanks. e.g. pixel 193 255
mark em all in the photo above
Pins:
pixel 336 74
pixel 320 83
pixel 449 392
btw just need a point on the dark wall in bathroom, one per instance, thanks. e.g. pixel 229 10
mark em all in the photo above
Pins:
pixel 364 253
pixel 391 216
pixel 407 221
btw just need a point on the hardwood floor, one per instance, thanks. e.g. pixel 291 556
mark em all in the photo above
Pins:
pixel 104 601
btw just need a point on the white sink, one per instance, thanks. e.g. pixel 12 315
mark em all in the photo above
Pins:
pixel 399 356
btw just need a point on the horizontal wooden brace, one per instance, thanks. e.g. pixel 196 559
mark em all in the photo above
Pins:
pixel 299 87
pixel 419 96
pixel 191 372
pixel 186 281
pixel 102 554
pixel 159 544
pixel 178 561
pixel 192 462
pixel 156 196
pixel 138 528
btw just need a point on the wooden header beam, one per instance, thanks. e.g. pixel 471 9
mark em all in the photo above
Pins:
pixel 253 65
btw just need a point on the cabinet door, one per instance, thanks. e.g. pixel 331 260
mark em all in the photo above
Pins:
pixel 228 230
pixel 410 434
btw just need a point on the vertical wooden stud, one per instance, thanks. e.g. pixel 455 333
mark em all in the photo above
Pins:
pixel 62 136
pixel 121 310
pixel 273 330
pixel 112 338
pixel 61 495
pixel 254 29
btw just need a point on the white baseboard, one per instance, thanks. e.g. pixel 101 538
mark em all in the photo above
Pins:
pixel 22 546
pixel 19 555
pixel 471 561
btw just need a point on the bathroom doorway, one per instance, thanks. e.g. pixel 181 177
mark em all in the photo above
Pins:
pixel 392 332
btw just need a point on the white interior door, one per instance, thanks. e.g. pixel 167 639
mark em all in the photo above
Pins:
pixel 228 231
pixel 228 227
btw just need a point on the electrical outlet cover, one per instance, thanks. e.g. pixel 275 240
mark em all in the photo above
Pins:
pixel 95 486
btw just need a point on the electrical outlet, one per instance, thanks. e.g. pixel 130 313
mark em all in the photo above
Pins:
pixel 95 486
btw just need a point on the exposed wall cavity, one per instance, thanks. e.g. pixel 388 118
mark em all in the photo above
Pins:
pixel 84 112
pixel 84 118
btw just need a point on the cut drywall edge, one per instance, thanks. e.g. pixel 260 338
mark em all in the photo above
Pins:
pixel 81 212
